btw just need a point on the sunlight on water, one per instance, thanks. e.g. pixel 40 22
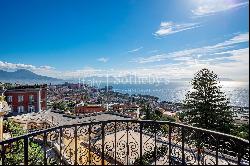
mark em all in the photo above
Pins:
pixel 234 84
pixel 237 92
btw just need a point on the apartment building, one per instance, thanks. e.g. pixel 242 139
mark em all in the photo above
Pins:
pixel 25 99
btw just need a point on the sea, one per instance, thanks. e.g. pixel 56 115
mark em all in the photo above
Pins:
pixel 237 92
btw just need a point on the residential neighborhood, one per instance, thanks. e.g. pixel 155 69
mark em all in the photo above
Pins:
pixel 124 82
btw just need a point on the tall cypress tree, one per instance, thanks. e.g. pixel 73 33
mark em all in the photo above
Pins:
pixel 207 106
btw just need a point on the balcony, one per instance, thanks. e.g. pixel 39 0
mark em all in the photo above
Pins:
pixel 127 142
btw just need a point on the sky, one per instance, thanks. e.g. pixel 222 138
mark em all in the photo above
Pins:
pixel 165 38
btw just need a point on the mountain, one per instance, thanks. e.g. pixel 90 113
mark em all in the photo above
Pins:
pixel 27 77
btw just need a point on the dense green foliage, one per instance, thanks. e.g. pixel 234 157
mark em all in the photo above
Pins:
pixel 59 105
pixel 71 105
pixel 241 131
pixel 149 157
pixel 207 106
pixel 64 106
pixel 15 151
pixel 7 85
pixel 181 115
pixel 155 115
pixel 13 129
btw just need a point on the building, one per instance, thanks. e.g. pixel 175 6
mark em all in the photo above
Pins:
pixel 127 109
pixel 85 109
pixel 25 99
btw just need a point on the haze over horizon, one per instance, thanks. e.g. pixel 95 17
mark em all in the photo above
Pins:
pixel 167 39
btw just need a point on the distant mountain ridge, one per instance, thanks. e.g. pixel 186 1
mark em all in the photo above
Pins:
pixel 27 77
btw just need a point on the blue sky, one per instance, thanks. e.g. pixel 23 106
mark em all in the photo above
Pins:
pixel 166 38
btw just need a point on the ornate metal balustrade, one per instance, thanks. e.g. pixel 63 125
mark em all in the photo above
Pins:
pixel 128 142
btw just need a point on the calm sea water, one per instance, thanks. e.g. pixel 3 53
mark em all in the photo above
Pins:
pixel 237 92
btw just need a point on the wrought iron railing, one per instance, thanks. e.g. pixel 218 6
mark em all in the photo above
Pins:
pixel 127 142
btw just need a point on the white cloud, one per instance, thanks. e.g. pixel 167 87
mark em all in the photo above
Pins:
pixel 12 66
pixel 15 66
pixel 155 58
pixel 224 58
pixel 85 72
pixel 167 28
pixel 104 60
pixel 135 50
pixel 237 67
pixel 51 71
pixel 197 53
pixel 209 7
pixel 42 70
pixel 240 38
pixel 47 67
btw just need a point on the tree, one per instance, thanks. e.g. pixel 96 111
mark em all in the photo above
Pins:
pixel 59 105
pixel 207 106
pixel 156 115
pixel 147 112
pixel 15 154
pixel 71 105
pixel 167 118
pixel 182 115
pixel 150 156
pixel 241 131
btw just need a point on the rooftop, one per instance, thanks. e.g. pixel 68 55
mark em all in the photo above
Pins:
pixel 57 119
pixel 28 87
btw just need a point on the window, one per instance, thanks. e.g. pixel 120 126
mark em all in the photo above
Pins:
pixel 31 98
pixel 20 109
pixel 11 108
pixel 20 98
pixel 31 109
pixel 9 98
